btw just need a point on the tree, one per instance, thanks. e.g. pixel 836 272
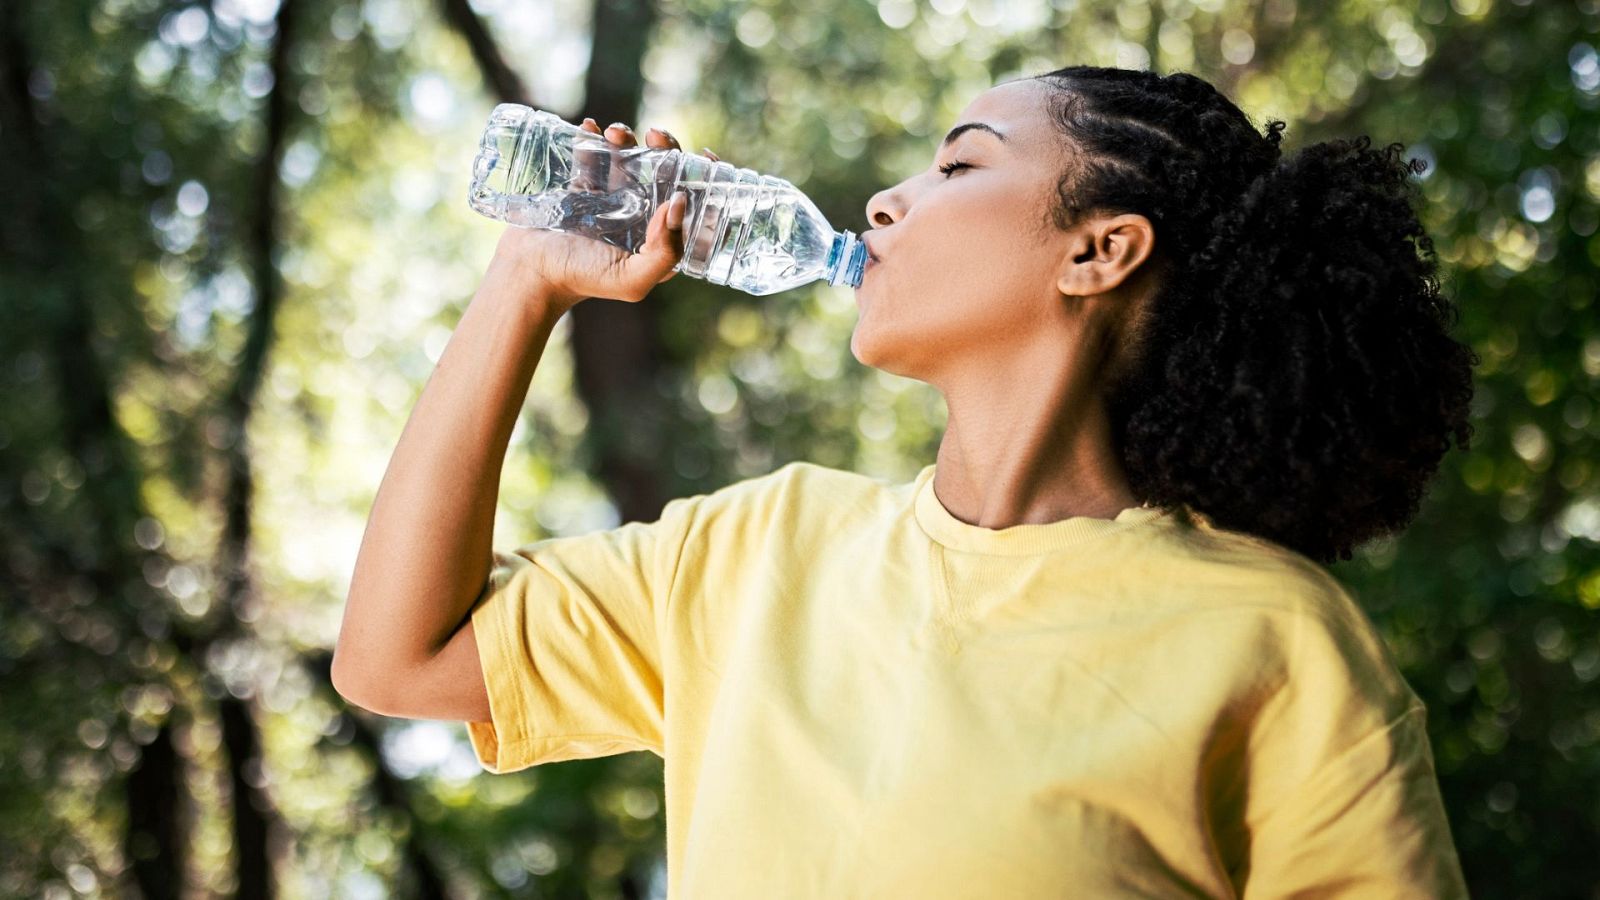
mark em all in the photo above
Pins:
pixel 235 230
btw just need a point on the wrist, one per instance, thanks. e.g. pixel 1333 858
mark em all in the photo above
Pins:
pixel 510 278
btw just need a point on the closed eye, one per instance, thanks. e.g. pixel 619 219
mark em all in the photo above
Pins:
pixel 949 167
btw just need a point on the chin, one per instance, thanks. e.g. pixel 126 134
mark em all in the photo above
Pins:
pixel 856 342
pixel 872 350
pixel 863 346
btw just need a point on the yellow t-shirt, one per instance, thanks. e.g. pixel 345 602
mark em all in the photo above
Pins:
pixel 857 694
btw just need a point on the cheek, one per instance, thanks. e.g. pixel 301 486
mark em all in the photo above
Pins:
pixel 973 275
pixel 973 279
pixel 917 315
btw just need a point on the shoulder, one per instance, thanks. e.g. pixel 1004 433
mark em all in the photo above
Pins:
pixel 1291 603
pixel 794 512
pixel 796 488
pixel 1340 665
pixel 1253 568
pixel 1330 625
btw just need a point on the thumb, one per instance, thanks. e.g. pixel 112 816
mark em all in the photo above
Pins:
pixel 663 247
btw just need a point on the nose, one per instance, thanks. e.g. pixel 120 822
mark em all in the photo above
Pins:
pixel 884 208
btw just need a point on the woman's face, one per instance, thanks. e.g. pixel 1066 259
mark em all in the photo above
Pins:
pixel 968 263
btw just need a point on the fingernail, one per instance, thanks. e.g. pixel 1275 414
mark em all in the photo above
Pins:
pixel 619 126
pixel 675 212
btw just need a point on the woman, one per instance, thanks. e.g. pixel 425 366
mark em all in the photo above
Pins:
pixel 1089 652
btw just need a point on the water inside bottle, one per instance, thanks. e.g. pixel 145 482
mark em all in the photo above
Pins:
pixel 616 218
pixel 736 234
pixel 748 235
pixel 753 232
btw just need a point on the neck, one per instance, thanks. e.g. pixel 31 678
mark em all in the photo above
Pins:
pixel 1028 443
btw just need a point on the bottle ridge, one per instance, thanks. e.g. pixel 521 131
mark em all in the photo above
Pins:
pixel 752 232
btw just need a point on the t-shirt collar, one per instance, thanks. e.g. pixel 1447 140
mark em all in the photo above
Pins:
pixel 1018 540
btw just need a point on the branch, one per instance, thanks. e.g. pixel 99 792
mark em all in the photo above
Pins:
pixel 503 80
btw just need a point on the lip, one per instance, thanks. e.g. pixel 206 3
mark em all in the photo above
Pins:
pixel 872 252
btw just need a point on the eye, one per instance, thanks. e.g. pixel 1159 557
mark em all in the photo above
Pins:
pixel 949 167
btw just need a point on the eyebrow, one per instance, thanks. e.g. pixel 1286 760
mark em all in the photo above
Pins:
pixel 969 126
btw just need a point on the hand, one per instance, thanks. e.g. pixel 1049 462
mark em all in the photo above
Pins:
pixel 570 267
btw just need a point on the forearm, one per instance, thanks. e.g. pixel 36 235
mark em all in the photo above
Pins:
pixel 426 552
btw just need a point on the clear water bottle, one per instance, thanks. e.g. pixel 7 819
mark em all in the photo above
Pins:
pixel 752 232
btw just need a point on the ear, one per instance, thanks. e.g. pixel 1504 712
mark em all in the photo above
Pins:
pixel 1103 253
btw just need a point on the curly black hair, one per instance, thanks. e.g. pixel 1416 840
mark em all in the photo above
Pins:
pixel 1293 377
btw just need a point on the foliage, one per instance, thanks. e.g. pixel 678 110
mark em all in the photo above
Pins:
pixel 130 135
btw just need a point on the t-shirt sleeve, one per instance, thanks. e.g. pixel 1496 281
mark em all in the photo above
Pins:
pixel 1347 800
pixel 568 631
pixel 1370 823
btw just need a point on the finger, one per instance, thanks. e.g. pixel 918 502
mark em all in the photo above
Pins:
pixel 618 133
pixel 676 210
pixel 588 160
pixel 663 247
pixel 655 137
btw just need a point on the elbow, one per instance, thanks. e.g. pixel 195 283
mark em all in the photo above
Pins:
pixel 359 668
pixel 339 674
pixel 353 683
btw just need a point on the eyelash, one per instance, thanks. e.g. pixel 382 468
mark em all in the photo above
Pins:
pixel 949 167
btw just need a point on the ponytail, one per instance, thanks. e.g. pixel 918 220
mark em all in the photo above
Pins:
pixel 1294 378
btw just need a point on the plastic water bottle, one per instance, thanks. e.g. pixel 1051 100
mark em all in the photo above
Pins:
pixel 752 232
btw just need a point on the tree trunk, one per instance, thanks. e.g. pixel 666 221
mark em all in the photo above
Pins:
pixel 616 347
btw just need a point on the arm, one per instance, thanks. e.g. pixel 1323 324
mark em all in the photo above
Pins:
pixel 425 555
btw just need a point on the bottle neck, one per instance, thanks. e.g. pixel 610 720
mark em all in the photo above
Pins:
pixel 847 260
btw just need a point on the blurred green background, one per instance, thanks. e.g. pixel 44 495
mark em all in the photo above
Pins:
pixel 235 240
